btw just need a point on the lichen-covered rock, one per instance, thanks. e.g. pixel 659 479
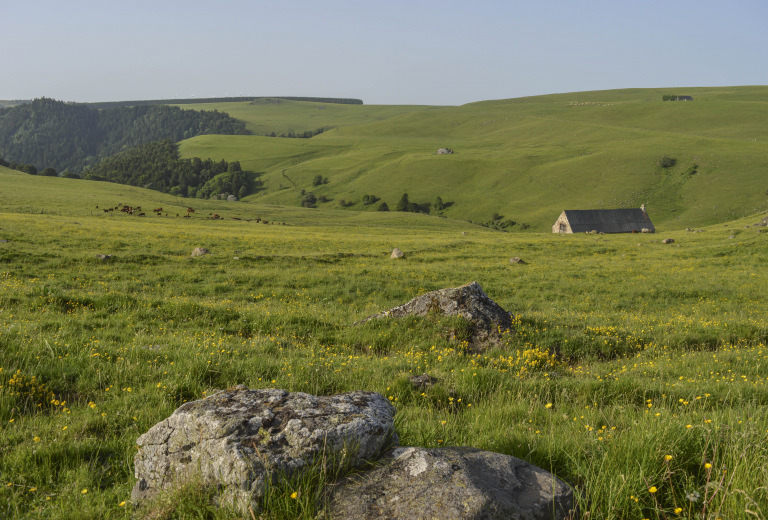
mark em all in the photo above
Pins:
pixel 397 253
pixel 468 301
pixel 200 251
pixel 239 439
pixel 455 483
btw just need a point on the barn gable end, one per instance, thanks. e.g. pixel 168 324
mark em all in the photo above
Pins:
pixel 631 220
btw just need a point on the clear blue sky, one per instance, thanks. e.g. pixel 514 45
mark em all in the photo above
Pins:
pixel 385 51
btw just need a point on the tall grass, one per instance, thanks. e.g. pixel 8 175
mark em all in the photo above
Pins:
pixel 635 371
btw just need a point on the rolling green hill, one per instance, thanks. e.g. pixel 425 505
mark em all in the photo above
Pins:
pixel 525 159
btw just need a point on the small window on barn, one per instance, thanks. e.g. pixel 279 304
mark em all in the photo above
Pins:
pixel 563 229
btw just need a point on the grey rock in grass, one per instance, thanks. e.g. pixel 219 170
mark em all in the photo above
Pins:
pixel 200 251
pixel 668 241
pixel 423 381
pixel 469 301
pixel 104 258
pixel 239 439
pixel 397 253
pixel 455 483
pixel 517 260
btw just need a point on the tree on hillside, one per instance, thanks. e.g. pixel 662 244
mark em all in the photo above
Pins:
pixel 383 207
pixel 438 205
pixel 309 200
pixel 403 204
pixel 667 162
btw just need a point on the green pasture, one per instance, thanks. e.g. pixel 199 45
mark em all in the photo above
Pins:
pixel 267 115
pixel 634 370
pixel 526 159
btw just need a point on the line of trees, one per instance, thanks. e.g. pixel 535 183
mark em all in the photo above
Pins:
pixel 234 99
pixel 405 204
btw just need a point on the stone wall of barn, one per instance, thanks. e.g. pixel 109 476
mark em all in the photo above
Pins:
pixel 561 225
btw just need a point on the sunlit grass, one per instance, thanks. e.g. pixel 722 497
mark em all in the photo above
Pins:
pixel 623 351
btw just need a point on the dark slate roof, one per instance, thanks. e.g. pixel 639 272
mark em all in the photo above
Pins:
pixel 608 220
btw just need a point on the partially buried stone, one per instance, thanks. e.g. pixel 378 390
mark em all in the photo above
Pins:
pixel 200 251
pixel 238 440
pixel 455 483
pixel 423 381
pixel 488 318
pixel 397 253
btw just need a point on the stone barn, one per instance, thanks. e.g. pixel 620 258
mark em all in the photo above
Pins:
pixel 630 220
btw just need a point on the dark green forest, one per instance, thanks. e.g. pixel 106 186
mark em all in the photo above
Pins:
pixel 73 137
pixel 158 166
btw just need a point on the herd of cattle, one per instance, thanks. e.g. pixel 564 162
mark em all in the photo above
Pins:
pixel 137 211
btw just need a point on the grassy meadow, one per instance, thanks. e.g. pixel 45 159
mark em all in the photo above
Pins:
pixel 635 371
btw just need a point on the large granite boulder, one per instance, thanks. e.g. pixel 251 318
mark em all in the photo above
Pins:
pixel 469 301
pixel 454 483
pixel 239 439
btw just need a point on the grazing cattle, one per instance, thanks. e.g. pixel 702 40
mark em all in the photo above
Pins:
pixel 157 210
